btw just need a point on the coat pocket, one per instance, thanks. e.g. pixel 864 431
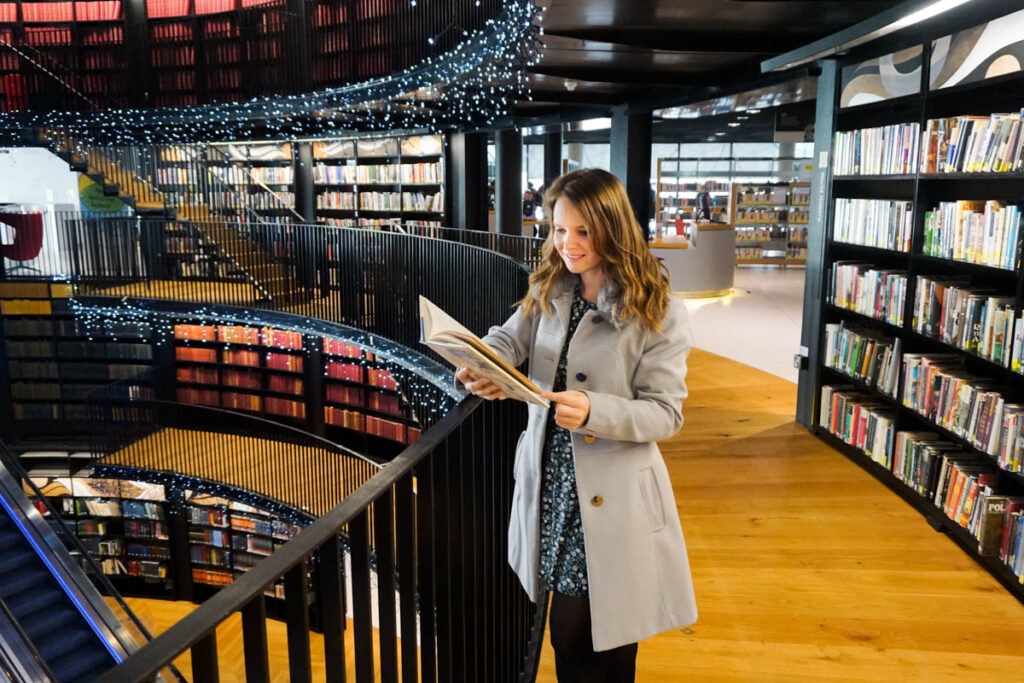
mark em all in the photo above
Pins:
pixel 651 493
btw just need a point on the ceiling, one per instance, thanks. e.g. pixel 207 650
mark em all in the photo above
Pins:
pixel 652 54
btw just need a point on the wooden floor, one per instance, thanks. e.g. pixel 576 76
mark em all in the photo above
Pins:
pixel 806 568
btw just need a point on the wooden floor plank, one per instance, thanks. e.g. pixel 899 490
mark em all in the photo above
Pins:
pixel 806 568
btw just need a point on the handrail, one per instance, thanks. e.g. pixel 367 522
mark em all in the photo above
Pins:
pixel 431 524
pixel 194 626
pixel 123 638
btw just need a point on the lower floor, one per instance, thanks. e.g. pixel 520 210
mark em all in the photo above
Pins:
pixel 806 568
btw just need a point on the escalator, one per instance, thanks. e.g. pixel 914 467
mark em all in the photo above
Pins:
pixel 58 631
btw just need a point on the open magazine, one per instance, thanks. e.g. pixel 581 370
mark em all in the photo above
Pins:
pixel 462 348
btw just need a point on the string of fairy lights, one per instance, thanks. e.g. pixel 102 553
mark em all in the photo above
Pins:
pixel 472 85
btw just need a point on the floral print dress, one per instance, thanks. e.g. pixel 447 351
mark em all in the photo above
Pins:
pixel 563 561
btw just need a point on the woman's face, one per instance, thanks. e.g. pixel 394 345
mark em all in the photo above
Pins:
pixel 572 239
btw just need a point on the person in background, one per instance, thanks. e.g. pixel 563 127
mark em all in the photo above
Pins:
pixel 594 520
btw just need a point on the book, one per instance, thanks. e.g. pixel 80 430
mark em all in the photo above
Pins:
pixel 460 347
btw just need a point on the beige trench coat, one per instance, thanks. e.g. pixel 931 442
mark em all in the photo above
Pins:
pixel 637 566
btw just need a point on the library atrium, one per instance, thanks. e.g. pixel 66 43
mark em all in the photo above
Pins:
pixel 228 454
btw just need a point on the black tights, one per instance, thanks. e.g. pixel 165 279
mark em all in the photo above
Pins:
pixel 575 659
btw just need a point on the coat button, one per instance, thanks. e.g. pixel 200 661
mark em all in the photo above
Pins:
pixel 597 501
pixel 580 377
pixel 598 319
pixel 589 438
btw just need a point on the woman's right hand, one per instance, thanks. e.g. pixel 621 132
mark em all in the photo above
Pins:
pixel 480 386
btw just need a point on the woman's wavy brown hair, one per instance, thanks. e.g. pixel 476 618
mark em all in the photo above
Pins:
pixel 618 239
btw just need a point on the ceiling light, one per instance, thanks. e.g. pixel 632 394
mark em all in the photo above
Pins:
pixel 734 124
pixel 753 111
pixel 720 133
pixel 570 84
pixel 871 29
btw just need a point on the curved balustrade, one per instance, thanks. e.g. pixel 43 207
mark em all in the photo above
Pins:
pixel 425 537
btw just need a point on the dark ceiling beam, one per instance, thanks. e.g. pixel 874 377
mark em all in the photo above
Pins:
pixel 580 97
pixel 629 76
pixel 752 44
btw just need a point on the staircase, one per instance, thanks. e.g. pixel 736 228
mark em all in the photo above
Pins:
pixel 57 630
pixel 234 243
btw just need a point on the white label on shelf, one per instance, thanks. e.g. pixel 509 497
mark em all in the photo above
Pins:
pixel 823 160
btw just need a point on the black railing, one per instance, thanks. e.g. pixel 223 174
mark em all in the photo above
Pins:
pixel 447 606
pixel 366 279
pixel 428 530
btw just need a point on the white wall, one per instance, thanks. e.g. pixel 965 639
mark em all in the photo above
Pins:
pixel 36 177
pixel 38 180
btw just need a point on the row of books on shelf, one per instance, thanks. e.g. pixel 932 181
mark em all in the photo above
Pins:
pixel 974 320
pixel 985 232
pixel 239 334
pixel 960 483
pixel 991 143
pixel 937 387
pixel 427 172
pixel 281 384
pixel 100 507
pixel 271 360
pixel 370 424
pixel 223 518
pixel 760 215
pixel 215 398
pixel 878 293
pixel 390 224
pixel 863 353
pixel 237 175
pixel 75 327
pixel 882 150
pixel 747 234
pixel 975 231
pixel 881 223
pixel 381 201
pixel 34 370
pixel 96 60
pixel 974 144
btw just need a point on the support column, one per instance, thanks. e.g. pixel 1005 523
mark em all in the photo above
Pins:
pixel 297 46
pixel 631 159
pixel 137 52
pixel 508 184
pixel 466 181
pixel 552 156
pixel 302 172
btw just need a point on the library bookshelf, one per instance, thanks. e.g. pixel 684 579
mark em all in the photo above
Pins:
pixel 326 385
pixel 159 540
pixel 919 372
pixel 373 182
pixel 771 222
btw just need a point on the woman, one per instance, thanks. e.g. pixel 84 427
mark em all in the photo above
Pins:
pixel 593 514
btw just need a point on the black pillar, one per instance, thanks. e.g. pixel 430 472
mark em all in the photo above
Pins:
pixel 302 170
pixel 466 182
pixel 137 52
pixel 552 156
pixel 631 158
pixel 508 183
pixel 297 47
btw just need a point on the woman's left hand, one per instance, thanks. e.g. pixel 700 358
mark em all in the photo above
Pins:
pixel 572 408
